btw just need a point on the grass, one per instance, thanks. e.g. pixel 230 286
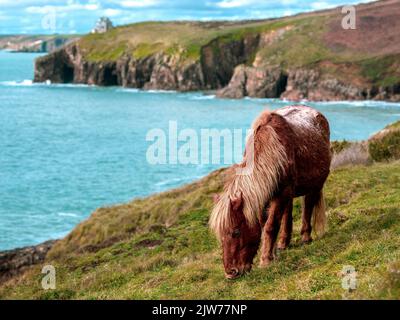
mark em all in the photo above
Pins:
pixel 160 248
pixel 381 70
pixel 182 38
pixel 301 46
pixel 385 145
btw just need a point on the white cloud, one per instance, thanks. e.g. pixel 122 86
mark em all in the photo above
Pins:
pixel 287 13
pixel 71 6
pixel 233 3
pixel 319 5
pixel 138 3
pixel 112 12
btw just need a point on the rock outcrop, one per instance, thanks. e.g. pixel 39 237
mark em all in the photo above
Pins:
pixel 13 262
pixel 285 58
pixel 157 71
pixel 257 82
pixel 299 84
pixel 222 67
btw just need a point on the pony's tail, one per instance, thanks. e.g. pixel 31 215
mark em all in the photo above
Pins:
pixel 319 216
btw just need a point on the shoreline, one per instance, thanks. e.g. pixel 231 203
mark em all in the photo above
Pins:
pixel 15 261
pixel 210 94
pixel 13 256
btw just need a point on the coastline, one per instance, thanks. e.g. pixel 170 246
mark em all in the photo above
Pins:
pixel 13 262
pixel 307 56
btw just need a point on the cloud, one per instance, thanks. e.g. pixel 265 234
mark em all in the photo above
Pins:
pixel 319 5
pixel 27 15
pixel 71 6
pixel 138 3
pixel 233 3
pixel 112 12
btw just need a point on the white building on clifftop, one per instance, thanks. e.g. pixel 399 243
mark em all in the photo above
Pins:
pixel 102 25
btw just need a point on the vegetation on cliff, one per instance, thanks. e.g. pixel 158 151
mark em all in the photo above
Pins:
pixel 317 59
pixel 160 247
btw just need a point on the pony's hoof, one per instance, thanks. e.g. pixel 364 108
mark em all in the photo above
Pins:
pixel 282 246
pixel 306 241
pixel 265 263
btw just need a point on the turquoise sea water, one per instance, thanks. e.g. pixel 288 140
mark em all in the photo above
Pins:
pixel 67 149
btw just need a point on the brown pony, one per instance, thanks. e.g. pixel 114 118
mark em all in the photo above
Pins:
pixel 287 156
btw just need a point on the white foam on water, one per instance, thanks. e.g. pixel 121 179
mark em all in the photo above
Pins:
pixel 362 104
pixel 159 91
pixel 47 83
pixel 127 90
pixel 67 214
pixel 177 181
pixel 22 83
pixel 203 97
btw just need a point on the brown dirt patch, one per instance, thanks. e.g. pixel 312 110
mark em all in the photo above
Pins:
pixel 377 30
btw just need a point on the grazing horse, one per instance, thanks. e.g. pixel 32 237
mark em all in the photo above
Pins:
pixel 287 156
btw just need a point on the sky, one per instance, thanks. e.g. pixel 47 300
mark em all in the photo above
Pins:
pixel 79 16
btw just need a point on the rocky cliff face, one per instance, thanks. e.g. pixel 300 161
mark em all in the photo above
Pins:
pixel 257 82
pixel 299 84
pixel 312 85
pixel 13 262
pixel 224 66
pixel 158 71
pixel 309 58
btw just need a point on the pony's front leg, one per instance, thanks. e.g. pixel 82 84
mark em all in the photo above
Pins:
pixel 272 226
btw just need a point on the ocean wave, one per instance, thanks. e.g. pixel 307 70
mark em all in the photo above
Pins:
pixel 30 83
pixel 203 97
pixel 176 181
pixel 128 90
pixel 168 182
pixel 68 214
pixel 360 104
pixel 137 90
pixel 23 83
pixel 159 91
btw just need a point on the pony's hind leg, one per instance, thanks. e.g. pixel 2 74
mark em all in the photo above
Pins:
pixel 286 228
pixel 309 202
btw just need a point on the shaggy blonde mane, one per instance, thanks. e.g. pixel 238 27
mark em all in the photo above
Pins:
pixel 268 159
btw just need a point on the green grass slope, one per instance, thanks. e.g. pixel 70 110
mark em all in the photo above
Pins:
pixel 184 39
pixel 160 248
pixel 365 56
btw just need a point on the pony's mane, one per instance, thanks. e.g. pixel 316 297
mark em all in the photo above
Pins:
pixel 256 187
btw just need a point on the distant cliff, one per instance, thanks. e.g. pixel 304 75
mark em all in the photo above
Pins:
pixel 35 43
pixel 308 56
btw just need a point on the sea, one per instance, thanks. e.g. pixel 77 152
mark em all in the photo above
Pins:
pixel 67 149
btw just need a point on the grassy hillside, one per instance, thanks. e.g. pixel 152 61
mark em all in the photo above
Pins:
pixel 160 247
pixel 184 39
pixel 368 55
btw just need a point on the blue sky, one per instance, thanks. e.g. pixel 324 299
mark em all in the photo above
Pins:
pixel 79 16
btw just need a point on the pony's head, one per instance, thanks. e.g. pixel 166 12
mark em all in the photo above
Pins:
pixel 239 237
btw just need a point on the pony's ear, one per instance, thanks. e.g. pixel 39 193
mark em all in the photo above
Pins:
pixel 236 201
pixel 216 198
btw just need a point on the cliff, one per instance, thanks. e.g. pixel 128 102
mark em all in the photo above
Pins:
pixel 13 262
pixel 160 247
pixel 35 43
pixel 307 56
